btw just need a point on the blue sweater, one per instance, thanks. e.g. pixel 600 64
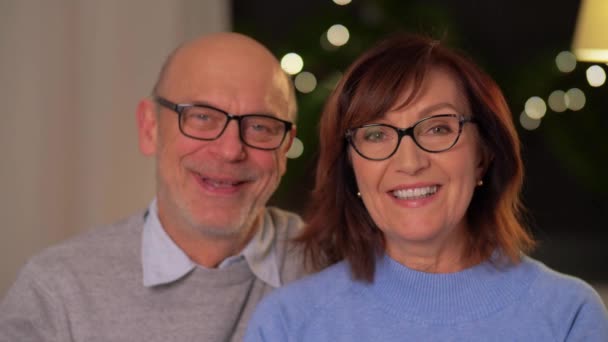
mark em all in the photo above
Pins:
pixel 526 302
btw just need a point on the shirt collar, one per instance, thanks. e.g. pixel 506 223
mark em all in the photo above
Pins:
pixel 164 262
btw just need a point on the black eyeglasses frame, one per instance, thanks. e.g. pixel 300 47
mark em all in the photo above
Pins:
pixel 409 131
pixel 179 109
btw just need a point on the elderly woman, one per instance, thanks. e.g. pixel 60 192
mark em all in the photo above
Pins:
pixel 416 212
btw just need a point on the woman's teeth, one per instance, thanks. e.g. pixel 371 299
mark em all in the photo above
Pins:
pixel 417 193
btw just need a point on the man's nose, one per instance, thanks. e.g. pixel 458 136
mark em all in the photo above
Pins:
pixel 229 145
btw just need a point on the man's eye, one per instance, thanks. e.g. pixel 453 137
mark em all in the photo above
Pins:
pixel 203 120
pixel 260 128
pixel 201 117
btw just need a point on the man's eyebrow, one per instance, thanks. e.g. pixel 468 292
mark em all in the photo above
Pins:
pixel 208 104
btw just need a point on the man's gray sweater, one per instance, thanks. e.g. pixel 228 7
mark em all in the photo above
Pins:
pixel 90 289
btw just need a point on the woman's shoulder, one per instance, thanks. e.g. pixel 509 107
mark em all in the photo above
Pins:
pixel 564 295
pixel 549 281
pixel 319 287
pixel 302 300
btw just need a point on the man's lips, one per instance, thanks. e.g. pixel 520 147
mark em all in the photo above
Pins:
pixel 218 183
pixel 221 185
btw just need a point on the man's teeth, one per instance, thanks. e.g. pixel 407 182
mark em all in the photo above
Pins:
pixel 220 184
pixel 416 193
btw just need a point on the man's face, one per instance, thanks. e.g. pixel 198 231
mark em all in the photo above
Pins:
pixel 217 188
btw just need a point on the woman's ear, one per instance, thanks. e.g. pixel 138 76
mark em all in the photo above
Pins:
pixel 485 159
pixel 349 156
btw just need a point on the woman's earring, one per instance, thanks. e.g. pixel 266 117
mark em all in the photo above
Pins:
pixel 480 182
pixel 358 194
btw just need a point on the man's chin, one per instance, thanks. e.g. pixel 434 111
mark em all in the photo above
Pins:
pixel 221 231
pixel 234 224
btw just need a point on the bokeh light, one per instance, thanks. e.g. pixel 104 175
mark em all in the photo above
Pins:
pixel 596 76
pixel 325 44
pixel 565 61
pixel 527 122
pixel 575 99
pixel 557 101
pixel 338 35
pixel 296 149
pixel 292 63
pixel 342 2
pixel 535 107
pixel 305 82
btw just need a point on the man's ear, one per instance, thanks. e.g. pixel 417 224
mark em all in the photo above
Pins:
pixel 289 143
pixel 147 126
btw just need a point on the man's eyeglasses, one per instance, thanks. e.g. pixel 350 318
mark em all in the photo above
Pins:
pixel 205 122
pixel 434 134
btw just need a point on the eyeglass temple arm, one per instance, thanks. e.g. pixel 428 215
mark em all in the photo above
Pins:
pixel 167 104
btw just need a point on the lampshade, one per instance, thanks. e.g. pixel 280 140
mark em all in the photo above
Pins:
pixel 591 35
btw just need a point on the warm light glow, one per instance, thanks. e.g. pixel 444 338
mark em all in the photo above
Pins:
pixel 596 76
pixel 535 107
pixel 575 99
pixel 296 149
pixel 338 35
pixel 305 82
pixel 292 63
pixel 590 37
pixel 557 101
pixel 342 2
pixel 565 61
pixel 528 123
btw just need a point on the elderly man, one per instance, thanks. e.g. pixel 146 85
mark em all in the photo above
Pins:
pixel 207 249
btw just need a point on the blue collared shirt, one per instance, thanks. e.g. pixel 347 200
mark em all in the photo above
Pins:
pixel 164 262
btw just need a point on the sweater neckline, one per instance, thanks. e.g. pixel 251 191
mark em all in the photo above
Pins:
pixel 451 297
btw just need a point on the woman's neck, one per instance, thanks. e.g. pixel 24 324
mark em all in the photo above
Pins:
pixel 432 257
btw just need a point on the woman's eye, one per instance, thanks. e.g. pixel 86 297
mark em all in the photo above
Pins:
pixel 440 130
pixel 374 136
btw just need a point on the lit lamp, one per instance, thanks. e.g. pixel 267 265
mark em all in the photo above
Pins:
pixel 591 34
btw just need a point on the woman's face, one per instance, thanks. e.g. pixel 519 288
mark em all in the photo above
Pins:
pixel 419 199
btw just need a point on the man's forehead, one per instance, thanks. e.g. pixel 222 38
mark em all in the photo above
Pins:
pixel 230 71
pixel 233 96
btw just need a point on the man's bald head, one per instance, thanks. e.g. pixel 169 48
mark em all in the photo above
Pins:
pixel 226 55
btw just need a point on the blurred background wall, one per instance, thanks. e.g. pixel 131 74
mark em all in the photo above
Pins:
pixel 73 70
pixel 71 74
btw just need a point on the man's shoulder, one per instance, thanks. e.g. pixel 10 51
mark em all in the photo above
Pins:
pixel 287 223
pixel 93 248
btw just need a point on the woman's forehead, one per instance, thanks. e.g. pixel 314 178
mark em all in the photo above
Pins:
pixel 439 89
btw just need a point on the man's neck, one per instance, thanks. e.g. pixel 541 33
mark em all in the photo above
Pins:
pixel 210 250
